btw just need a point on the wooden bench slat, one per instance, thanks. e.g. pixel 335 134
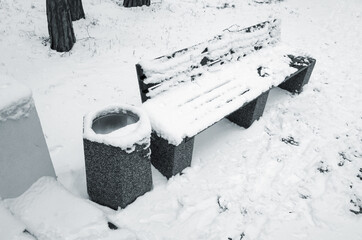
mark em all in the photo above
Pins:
pixel 204 94
pixel 186 65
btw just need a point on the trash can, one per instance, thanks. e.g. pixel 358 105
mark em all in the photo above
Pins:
pixel 117 155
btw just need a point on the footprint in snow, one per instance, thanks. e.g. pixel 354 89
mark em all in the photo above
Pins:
pixel 360 174
pixel 357 205
pixel 323 168
pixel 290 140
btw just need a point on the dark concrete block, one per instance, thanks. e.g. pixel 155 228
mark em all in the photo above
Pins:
pixel 170 159
pixel 252 111
pixel 115 177
pixel 296 81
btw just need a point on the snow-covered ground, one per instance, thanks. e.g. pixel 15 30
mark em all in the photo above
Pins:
pixel 294 174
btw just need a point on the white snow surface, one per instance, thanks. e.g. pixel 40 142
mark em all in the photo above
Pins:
pixel 10 227
pixel 51 212
pixel 292 175
pixel 15 99
pixel 126 137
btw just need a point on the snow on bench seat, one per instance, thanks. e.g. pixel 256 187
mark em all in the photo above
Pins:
pixel 195 105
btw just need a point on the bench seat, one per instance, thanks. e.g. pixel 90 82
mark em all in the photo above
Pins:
pixel 195 105
pixel 229 76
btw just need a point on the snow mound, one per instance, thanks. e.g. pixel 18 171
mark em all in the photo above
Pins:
pixel 10 227
pixel 15 99
pixel 124 137
pixel 51 212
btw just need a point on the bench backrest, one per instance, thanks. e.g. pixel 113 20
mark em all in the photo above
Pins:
pixel 160 74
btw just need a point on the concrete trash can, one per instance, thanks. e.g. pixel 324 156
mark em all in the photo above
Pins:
pixel 117 155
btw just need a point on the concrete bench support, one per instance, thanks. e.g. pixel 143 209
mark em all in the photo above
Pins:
pixel 297 80
pixel 246 115
pixel 170 159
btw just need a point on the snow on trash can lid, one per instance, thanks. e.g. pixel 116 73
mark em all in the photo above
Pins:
pixel 119 126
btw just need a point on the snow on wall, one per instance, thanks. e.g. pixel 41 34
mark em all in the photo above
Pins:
pixel 51 212
pixel 126 137
pixel 15 99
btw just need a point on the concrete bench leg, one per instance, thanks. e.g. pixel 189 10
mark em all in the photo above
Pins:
pixel 295 82
pixel 246 115
pixel 170 159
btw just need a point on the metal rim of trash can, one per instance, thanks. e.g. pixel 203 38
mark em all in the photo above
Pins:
pixel 113 121
pixel 117 125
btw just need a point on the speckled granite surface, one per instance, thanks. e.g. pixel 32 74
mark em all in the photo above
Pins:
pixel 296 82
pixel 169 159
pixel 116 178
pixel 246 115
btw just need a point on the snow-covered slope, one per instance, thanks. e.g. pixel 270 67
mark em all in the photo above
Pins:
pixel 51 212
pixel 10 227
pixel 295 174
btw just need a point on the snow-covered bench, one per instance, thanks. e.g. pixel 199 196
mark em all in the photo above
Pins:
pixel 228 76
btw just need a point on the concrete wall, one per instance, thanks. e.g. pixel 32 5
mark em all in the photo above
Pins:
pixel 24 155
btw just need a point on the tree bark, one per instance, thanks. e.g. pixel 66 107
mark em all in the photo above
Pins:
pixel 136 3
pixel 76 9
pixel 60 25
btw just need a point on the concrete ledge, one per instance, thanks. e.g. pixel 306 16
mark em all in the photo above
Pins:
pixel 24 155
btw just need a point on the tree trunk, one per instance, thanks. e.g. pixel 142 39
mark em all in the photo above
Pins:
pixel 136 3
pixel 60 25
pixel 76 9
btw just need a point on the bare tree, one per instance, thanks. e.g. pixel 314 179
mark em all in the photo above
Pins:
pixel 76 9
pixel 136 3
pixel 60 25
